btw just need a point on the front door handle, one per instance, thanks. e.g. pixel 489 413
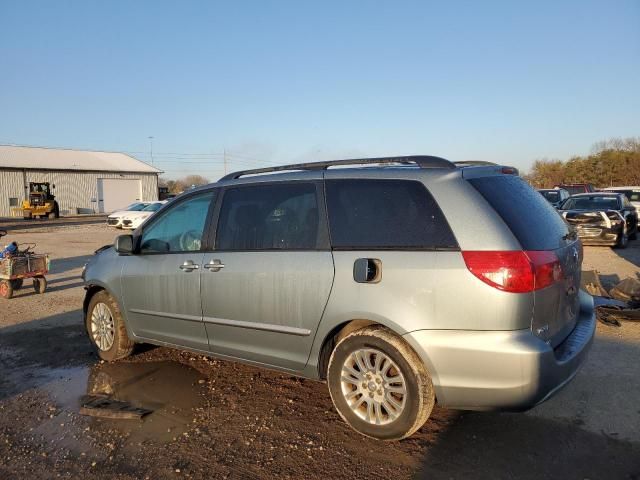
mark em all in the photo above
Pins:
pixel 189 266
pixel 214 265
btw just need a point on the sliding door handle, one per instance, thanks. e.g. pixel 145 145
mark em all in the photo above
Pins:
pixel 214 265
pixel 189 266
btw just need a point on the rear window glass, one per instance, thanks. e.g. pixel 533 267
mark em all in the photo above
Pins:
pixel 270 217
pixel 533 220
pixel 385 214
pixel 551 195
pixel 592 203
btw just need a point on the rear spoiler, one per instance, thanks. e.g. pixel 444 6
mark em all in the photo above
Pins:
pixel 477 168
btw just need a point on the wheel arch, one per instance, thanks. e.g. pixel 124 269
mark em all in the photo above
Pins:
pixel 337 333
pixel 91 290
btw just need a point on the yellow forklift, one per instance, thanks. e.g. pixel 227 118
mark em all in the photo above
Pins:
pixel 41 202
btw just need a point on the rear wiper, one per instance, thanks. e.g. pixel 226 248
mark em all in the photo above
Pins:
pixel 572 235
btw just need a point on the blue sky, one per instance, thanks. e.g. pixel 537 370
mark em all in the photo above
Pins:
pixel 281 81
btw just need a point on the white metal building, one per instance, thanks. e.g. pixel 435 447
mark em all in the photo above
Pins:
pixel 85 181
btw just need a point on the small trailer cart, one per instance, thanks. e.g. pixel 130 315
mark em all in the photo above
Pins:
pixel 20 265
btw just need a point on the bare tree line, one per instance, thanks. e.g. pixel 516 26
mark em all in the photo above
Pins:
pixel 611 162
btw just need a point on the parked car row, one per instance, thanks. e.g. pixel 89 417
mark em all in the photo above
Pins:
pixel 605 217
pixel 132 216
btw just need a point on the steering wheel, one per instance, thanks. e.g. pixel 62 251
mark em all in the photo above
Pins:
pixel 190 241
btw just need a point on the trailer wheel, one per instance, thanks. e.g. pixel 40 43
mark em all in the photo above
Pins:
pixel 39 284
pixel 6 289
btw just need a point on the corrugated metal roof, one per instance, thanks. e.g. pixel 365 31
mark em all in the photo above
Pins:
pixel 13 156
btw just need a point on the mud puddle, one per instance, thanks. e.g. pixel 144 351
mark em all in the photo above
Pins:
pixel 170 389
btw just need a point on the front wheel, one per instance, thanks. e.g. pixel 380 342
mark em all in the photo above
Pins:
pixel 623 240
pixel 106 328
pixel 6 289
pixel 379 385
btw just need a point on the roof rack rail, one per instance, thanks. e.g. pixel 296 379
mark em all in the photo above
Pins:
pixel 422 161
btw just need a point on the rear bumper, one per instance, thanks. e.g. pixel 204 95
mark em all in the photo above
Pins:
pixel 502 370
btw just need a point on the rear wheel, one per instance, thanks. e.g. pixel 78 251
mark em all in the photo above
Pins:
pixel 379 385
pixel 106 328
pixel 6 289
pixel 40 284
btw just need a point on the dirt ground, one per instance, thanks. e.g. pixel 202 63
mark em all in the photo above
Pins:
pixel 217 419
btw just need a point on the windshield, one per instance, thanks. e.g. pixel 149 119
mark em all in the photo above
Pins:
pixel 591 203
pixel 136 207
pixel 152 208
pixel 552 195
pixel 575 189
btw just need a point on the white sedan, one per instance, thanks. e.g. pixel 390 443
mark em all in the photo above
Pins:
pixel 133 220
pixel 115 219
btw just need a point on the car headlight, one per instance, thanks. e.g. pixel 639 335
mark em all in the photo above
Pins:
pixel 84 271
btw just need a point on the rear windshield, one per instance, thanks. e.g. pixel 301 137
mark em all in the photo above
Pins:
pixel 533 221
pixel 592 203
pixel 551 195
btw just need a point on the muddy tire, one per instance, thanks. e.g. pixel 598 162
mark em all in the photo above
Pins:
pixel 623 240
pixel 6 289
pixel 379 384
pixel 106 328
pixel 40 285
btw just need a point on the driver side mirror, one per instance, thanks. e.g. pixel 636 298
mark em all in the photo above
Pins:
pixel 124 244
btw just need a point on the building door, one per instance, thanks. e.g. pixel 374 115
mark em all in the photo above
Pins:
pixel 116 193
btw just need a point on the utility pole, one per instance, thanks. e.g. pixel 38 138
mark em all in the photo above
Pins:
pixel 224 159
pixel 151 148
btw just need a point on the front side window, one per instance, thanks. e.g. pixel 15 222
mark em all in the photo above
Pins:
pixel 269 217
pixel 385 214
pixel 180 228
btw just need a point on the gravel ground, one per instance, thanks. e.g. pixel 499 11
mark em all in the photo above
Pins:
pixel 217 419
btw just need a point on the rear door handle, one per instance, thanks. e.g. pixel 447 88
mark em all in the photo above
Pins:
pixel 214 265
pixel 189 266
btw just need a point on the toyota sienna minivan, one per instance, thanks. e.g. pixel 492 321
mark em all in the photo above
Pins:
pixel 401 282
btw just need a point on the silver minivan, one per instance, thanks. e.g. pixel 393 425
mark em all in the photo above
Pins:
pixel 400 281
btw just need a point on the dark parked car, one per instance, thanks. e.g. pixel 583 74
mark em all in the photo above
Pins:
pixel 602 218
pixel 576 188
pixel 555 196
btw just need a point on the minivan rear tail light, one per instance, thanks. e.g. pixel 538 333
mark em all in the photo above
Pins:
pixel 514 271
